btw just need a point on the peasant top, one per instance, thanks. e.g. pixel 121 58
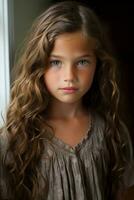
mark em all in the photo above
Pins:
pixel 81 172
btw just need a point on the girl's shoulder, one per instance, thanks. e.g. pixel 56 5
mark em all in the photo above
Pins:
pixel 129 154
pixel 98 120
pixel 128 176
pixel 98 124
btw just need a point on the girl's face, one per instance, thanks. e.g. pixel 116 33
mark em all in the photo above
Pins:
pixel 71 67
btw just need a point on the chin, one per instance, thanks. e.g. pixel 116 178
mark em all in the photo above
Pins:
pixel 69 100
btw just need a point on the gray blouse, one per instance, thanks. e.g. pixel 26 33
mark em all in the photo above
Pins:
pixel 81 172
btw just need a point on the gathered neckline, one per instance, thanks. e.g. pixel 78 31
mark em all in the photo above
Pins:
pixel 60 143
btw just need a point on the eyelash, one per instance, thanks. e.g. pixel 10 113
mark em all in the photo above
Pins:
pixel 57 62
pixel 86 62
pixel 54 62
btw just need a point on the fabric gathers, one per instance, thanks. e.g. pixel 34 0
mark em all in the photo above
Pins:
pixel 81 172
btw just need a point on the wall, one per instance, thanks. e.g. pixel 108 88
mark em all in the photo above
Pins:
pixel 24 14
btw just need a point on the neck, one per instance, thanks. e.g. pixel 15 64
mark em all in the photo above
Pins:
pixel 62 110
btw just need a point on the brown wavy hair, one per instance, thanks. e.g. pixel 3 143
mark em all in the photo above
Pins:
pixel 25 122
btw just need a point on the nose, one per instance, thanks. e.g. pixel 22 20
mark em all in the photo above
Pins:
pixel 69 74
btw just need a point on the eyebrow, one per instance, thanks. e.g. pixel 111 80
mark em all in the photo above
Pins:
pixel 85 55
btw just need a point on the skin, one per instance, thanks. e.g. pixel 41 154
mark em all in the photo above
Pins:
pixel 72 63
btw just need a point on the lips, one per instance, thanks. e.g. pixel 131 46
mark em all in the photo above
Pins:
pixel 69 90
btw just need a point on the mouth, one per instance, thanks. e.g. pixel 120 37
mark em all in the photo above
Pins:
pixel 69 89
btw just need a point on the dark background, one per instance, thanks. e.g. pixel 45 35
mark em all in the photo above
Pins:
pixel 118 19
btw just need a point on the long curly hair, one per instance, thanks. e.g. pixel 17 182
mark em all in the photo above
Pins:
pixel 25 122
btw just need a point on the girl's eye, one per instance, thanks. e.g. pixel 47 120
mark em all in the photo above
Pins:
pixel 83 63
pixel 55 63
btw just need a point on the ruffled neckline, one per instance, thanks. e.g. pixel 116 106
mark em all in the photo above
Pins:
pixel 60 143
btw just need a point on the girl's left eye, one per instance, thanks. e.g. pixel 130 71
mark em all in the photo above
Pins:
pixel 83 63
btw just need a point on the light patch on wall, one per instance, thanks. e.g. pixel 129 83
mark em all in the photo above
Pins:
pixel 4 59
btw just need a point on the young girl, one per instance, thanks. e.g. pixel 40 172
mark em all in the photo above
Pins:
pixel 63 138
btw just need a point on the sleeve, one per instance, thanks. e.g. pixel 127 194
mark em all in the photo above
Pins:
pixel 128 176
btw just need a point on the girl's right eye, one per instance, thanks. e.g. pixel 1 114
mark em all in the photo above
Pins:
pixel 55 63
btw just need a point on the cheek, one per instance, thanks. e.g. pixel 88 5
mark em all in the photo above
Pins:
pixel 88 76
pixel 50 79
pixel 47 79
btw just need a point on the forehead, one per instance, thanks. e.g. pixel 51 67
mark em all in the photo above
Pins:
pixel 73 42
